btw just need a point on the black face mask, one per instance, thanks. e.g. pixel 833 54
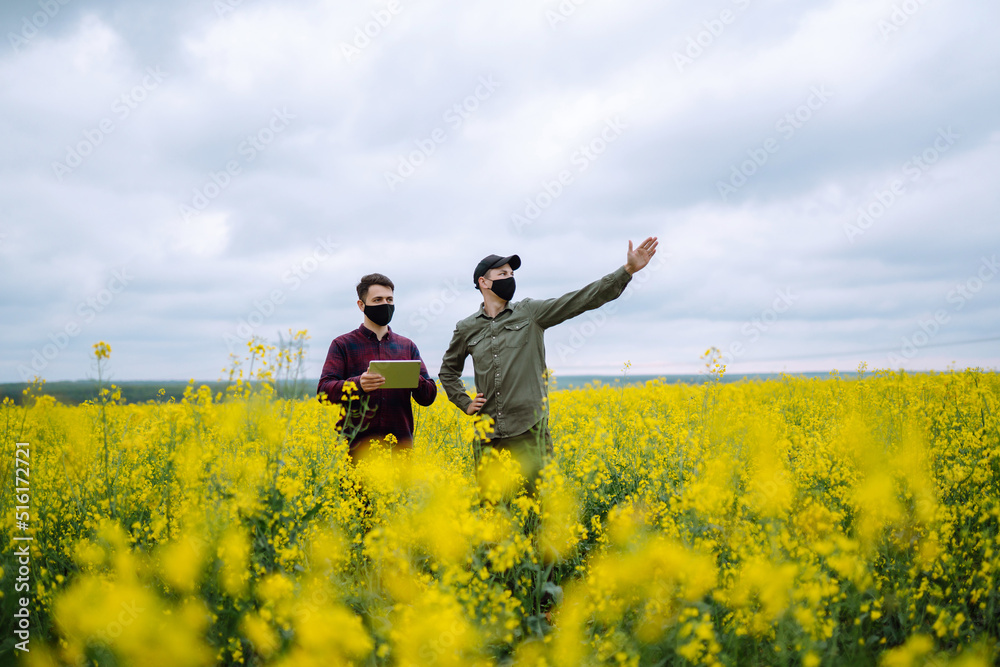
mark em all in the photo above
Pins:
pixel 504 288
pixel 380 314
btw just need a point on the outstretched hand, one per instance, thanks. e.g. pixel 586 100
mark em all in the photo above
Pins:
pixel 637 259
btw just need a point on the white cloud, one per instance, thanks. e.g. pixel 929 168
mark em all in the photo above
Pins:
pixel 225 77
pixel 206 235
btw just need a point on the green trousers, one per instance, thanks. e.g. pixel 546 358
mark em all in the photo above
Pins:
pixel 530 449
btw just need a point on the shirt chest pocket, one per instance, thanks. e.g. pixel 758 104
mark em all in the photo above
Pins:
pixel 479 348
pixel 516 334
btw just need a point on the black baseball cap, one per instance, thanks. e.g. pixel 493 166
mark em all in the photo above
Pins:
pixel 492 262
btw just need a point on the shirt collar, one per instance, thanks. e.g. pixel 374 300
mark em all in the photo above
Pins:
pixel 368 333
pixel 482 311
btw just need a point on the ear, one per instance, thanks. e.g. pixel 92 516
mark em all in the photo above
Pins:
pixel 361 305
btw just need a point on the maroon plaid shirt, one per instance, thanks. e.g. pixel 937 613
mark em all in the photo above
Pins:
pixel 389 410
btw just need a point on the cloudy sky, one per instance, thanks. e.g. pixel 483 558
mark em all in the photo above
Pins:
pixel 822 176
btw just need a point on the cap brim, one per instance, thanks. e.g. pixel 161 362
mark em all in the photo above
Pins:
pixel 513 260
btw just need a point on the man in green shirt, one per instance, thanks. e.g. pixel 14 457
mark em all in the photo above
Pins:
pixel 506 341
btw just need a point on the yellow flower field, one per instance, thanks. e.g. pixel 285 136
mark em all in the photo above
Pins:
pixel 787 522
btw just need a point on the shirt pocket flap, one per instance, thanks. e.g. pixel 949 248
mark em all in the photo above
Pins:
pixel 477 338
pixel 516 333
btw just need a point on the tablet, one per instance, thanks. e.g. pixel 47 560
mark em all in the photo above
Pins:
pixel 397 374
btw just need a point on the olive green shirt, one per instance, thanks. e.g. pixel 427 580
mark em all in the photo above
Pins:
pixel 508 353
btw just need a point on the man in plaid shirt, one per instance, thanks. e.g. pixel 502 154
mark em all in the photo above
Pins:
pixel 373 413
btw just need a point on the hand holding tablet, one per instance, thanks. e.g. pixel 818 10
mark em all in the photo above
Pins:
pixel 398 374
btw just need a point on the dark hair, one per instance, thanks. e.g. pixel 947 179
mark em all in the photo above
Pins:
pixel 373 279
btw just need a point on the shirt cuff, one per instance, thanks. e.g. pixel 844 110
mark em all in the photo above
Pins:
pixel 357 384
pixel 622 276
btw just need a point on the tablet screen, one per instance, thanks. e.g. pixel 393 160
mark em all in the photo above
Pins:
pixel 397 374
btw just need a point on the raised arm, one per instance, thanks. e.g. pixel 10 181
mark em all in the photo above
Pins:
pixel 550 312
